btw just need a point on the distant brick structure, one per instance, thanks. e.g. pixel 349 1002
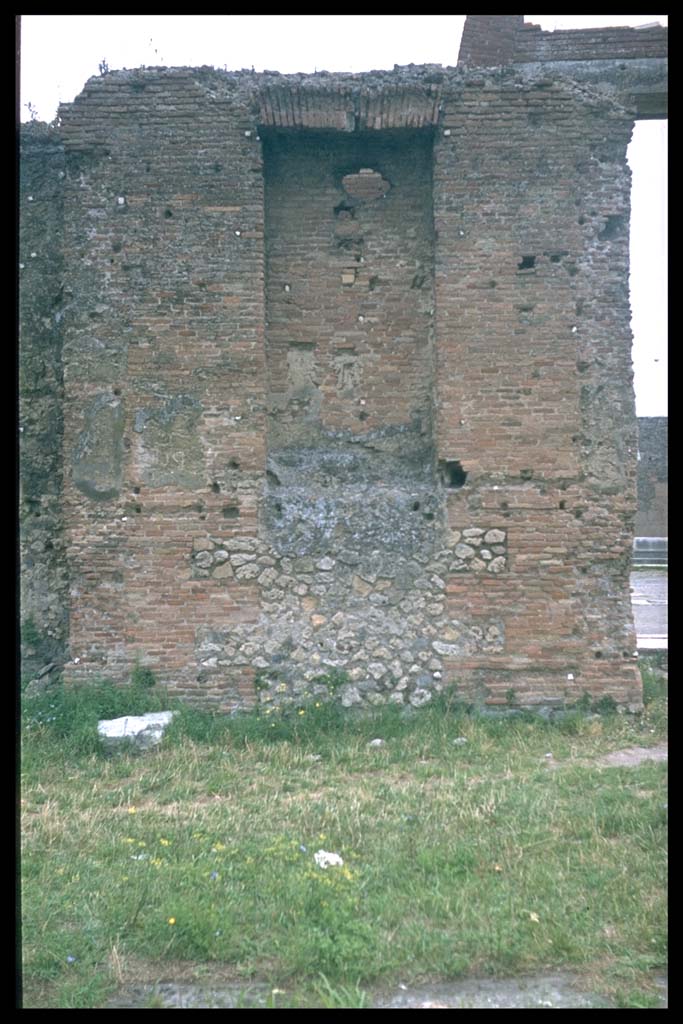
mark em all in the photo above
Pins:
pixel 653 477
pixel 328 378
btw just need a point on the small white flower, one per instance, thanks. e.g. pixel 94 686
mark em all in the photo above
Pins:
pixel 325 860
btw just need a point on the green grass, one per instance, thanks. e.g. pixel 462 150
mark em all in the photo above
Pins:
pixel 473 858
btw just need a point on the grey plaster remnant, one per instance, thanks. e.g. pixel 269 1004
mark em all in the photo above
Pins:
pixel 170 450
pixel 98 454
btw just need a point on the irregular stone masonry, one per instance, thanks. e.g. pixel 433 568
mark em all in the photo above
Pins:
pixel 348 408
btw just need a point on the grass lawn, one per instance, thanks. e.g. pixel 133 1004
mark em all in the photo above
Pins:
pixel 466 849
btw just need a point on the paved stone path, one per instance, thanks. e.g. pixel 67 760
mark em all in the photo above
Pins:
pixel 555 991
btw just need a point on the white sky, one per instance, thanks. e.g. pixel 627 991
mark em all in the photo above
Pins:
pixel 60 52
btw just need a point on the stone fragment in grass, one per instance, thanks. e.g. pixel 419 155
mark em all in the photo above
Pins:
pixel 141 732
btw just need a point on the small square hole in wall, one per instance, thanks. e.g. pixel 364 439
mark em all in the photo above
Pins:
pixel 452 474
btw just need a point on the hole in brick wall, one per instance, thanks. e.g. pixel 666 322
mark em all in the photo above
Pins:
pixel 272 478
pixel 168 213
pixel 527 263
pixel 526 474
pixel 418 281
pixel 452 473
pixel 344 210
pixel 148 168
pixel 615 222
pixel 366 185
pixel 563 504
pixel 503 504
pixel 117 391
pixel 230 512
pixel 362 415
pixel 278 508
pixel 372 283
pixel 217 168
pixel 234 464
pixel 578 513
pixel 598 654
pixel 138 509
pixel 136 490
pixel 216 487
pixel 49 546
pixel 429 516
pixel 416 506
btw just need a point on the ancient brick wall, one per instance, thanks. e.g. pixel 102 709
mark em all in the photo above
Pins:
pixel 492 40
pixel 489 40
pixel 44 298
pixel 653 477
pixel 348 387
pixel 532 308
pixel 165 371
pixel 617 43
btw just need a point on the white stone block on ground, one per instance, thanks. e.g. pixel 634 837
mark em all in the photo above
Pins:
pixel 139 731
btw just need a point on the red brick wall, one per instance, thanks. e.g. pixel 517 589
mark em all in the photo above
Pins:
pixel 534 397
pixel 618 43
pixel 166 238
pixel 489 40
pixel 215 364
pixel 492 40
